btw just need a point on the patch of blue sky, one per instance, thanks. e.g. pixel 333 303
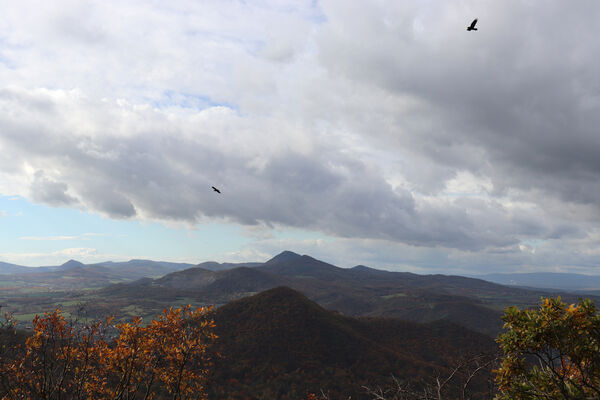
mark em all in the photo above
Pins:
pixel 317 15
pixel 533 243
pixel 33 229
pixel 312 12
pixel 5 60
pixel 171 98
pixel 8 64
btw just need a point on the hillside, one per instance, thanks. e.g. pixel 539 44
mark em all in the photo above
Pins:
pixel 215 266
pixel 73 275
pixel 356 292
pixel 359 291
pixel 279 344
pixel 7 268
pixel 135 269
pixel 200 284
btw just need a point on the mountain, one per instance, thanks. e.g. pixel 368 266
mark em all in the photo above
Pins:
pixel 215 266
pixel 359 291
pixel 6 268
pixel 283 257
pixel 201 285
pixel 69 276
pixel 74 275
pixel 294 265
pixel 135 269
pixel 18 269
pixel 547 280
pixel 279 344
pixel 70 265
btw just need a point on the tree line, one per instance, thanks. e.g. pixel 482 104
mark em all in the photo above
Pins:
pixel 551 352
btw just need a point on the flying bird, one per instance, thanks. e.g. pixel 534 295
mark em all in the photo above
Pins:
pixel 215 189
pixel 472 26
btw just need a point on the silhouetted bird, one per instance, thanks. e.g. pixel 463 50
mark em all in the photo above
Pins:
pixel 472 26
pixel 215 189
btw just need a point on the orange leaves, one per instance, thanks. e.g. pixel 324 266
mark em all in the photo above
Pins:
pixel 123 361
pixel 181 345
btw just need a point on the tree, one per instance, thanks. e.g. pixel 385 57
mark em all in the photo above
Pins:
pixel 469 377
pixel 10 341
pixel 68 360
pixel 551 353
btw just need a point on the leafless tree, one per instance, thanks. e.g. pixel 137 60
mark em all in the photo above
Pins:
pixel 454 382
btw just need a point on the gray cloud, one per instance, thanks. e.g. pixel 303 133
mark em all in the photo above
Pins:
pixel 157 172
pixel 526 99
pixel 45 190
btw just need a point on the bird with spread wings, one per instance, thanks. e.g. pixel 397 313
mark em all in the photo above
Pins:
pixel 472 26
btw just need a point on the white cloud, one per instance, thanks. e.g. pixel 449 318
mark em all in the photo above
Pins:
pixel 150 163
pixel 85 236
pixel 51 238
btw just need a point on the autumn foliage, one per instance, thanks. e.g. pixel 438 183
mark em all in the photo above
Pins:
pixel 552 352
pixel 166 358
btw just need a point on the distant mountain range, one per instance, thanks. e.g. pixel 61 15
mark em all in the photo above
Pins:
pixel 359 291
pixel 6 268
pixel 293 323
pixel 76 275
pixel 145 266
pixel 136 269
pixel 143 287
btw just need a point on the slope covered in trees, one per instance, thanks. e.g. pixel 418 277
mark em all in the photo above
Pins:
pixel 358 291
pixel 279 344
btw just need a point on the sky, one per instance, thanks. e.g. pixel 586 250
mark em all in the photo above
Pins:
pixel 359 132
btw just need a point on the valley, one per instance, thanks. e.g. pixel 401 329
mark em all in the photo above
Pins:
pixel 295 324
pixel 94 291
